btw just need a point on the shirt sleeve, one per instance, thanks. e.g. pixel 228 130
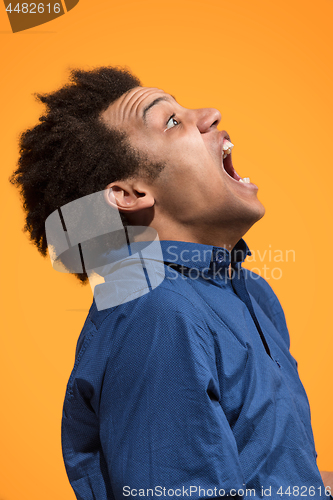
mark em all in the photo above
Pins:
pixel 161 422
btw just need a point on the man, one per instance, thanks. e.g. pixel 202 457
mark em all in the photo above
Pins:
pixel 189 389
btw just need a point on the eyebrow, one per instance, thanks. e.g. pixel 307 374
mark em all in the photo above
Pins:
pixel 153 103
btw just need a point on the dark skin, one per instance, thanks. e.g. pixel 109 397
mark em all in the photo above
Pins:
pixel 327 478
pixel 193 199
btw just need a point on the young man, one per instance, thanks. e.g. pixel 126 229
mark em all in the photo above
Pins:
pixel 189 389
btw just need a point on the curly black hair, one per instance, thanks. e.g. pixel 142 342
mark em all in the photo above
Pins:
pixel 71 153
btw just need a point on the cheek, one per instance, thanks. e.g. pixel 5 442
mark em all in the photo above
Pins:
pixel 194 156
pixel 181 179
pixel 175 193
pixel 186 194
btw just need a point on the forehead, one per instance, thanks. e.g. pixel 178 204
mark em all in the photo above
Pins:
pixel 138 95
pixel 131 105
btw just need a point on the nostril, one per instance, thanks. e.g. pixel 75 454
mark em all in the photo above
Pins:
pixel 215 123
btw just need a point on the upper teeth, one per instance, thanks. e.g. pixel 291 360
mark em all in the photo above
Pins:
pixel 227 147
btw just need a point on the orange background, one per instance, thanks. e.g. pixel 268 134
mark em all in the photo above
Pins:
pixel 267 66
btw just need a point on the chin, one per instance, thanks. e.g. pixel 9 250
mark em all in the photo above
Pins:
pixel 254 213
pixel 261 210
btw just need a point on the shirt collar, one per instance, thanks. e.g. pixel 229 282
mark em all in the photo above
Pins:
pixel 199 256
pixel 181 253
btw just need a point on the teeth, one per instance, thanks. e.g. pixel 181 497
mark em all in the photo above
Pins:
pixel 227 146
pixel 245 180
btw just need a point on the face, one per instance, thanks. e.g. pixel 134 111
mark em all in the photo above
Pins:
pixel 197 186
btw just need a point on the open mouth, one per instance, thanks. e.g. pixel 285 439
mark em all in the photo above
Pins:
pixel 227 163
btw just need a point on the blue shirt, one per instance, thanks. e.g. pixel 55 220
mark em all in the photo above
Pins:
pixel 189 390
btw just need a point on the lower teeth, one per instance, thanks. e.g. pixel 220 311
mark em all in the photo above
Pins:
pixel 245 180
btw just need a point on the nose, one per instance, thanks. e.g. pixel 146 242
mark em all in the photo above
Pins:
pixel 207 119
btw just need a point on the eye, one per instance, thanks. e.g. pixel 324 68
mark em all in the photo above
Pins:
pixel 172 122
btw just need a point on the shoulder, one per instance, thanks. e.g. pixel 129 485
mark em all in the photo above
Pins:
pixel 172 297
pixel 167 319
pixel 161 326
pixel 160 331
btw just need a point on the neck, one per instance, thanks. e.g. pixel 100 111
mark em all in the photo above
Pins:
pixel 218 237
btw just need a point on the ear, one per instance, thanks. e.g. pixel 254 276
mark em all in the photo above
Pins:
pixel 128 197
